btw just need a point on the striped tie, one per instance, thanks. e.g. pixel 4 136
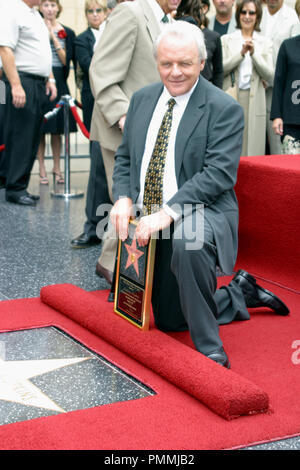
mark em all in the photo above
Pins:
pixel 153 189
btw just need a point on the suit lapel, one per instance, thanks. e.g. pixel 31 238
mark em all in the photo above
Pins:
pixel 192 115
pixel 91 37
pixel 152 24
pixel 143 122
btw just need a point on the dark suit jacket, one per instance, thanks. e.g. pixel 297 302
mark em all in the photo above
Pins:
pixel 70 51
pixel 84 50
pixel 285 94
pixel 207 153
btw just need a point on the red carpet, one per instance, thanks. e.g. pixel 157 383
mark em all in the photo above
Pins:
pixel 221 390
pixel 196 400
pixel 268 191
pixel 261 355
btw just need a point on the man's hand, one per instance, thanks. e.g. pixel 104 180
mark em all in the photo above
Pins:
pixel 122 122
pixel 18 96
pixel 51 90
pixel 120 215
pixel 151 224
pixel 278 126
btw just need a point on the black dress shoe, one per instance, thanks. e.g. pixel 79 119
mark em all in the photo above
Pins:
pixel 220 357
pixel 103 272
pixel 2 183
pixel 257 296
pixel 85 241
pixel 23 200
pixel 35 197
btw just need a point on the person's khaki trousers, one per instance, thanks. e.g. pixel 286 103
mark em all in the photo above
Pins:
pixel 109 242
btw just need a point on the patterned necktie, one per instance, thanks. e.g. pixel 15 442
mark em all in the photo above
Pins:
pixel 153 189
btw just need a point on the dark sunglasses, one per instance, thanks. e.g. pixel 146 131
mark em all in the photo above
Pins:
pixel 97 10
pixel 251 13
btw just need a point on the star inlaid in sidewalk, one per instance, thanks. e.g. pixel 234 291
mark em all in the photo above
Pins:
pixel 133 256
pixel 16 387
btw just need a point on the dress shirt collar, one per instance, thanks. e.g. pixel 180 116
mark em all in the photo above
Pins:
pixel 158 11
pixel 181 100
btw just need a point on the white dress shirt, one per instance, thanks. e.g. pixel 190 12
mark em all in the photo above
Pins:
pixel 23 30
pixel 98 33
pixel 159 13
pixel 170 186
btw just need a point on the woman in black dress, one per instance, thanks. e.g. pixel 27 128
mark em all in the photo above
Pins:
pixel 63 52
pixel 191 11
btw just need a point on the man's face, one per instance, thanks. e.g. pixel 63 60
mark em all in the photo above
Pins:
pixel 168 5
pixel 274 5
pixel 223 7
pixel 178 64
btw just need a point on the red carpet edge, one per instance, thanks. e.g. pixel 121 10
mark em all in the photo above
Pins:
pixel 223 391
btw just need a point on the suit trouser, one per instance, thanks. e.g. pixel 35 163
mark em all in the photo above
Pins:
pixel 185 295
pixel 22 131
pixel 2 154
pixel 274 139
pixel 97 191
pixel 109 242
pixel 22 134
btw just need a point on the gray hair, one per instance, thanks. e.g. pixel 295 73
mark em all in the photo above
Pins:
pixel 183 30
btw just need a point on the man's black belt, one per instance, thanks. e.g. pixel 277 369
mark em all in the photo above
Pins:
pixel 32 76
pixel 28 75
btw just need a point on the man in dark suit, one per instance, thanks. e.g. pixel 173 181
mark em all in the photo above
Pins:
pixel 180 151
pixel 97 191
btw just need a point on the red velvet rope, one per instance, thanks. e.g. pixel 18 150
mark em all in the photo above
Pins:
pixel 79 122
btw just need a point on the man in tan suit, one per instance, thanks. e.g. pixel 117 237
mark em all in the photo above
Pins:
pixel 123 63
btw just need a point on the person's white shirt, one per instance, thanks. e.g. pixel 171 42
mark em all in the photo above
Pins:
pixel 24 31
pixel 170 186
pixel 279 26
pixel 159 13
pixel 98 33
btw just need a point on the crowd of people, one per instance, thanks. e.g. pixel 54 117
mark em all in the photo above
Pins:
pixel 247 49
pixel 242 41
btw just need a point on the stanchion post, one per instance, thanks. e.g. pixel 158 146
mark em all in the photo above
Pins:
pixel 67 192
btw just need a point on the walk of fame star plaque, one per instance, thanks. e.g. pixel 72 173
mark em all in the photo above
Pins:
pixel 134 279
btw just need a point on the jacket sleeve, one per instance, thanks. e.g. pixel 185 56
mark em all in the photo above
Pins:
pixel 279 84
pixel 111 61
pixel 70 51
pixel 83 52
pixel 263 60
pixel 230 60
pixel 217 62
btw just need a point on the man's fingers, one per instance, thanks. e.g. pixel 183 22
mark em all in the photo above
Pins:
pixel 123 227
